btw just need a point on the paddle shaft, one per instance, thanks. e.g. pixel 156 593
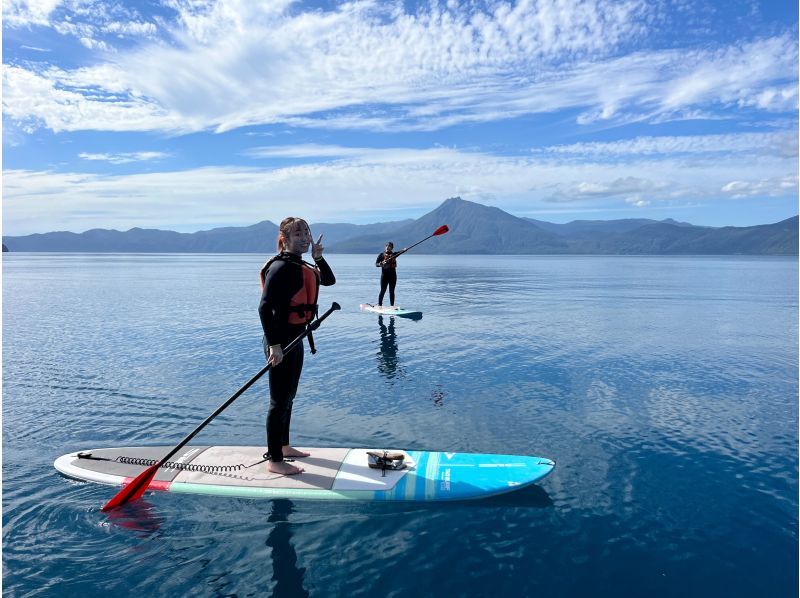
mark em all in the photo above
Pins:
pixel 221 408
pixel 439 231
pixel 417 243
pixel 140 483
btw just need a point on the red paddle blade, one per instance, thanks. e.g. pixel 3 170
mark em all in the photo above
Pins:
pixel 134 490
pixel 440 231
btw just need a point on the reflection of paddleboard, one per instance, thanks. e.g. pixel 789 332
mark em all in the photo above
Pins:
pixel 330 473
pixel 390 311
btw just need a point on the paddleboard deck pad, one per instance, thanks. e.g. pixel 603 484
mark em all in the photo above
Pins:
pixel 330 473
pixel 390 311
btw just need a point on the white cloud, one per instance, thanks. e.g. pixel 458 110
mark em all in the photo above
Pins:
pixel 124 158
pixel 629 188
pixel 774 187
pixel 24 13
pixel 775 99
pixel 109 29
pixel 95 44
pixel 359 184
pixel 739 75
pixel 372 65
pixel 131 29
pixel 86 20
pixel 638 202
pixel 784 143
pixel 237 63
pixel 80 99
pixel 306 150
pixel 35 48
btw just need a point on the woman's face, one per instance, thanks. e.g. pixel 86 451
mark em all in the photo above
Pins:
pixel 389 248
pixel 299 239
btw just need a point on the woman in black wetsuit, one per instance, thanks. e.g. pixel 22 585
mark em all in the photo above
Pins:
pixel 290 288
pixel 388 264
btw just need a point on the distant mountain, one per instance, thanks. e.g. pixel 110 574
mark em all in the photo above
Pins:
pixel 602 236
pixel 590 228
pixel 255 238
pixel 338 233
pixel 474 228
pixel 780 238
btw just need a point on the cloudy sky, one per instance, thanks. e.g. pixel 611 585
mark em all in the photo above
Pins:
pixel 192 114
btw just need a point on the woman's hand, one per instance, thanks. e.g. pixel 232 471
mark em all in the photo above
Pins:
pixel 317 248
pixel 275 355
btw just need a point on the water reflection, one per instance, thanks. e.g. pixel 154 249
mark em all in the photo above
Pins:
pixel 138 516
pixel 388 363
pixel 288 577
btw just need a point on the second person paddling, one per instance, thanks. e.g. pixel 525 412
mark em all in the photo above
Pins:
pixel 387 262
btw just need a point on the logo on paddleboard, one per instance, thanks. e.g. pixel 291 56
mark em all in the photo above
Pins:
pixel 445 485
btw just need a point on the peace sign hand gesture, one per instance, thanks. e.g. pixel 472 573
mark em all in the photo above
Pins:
pixel 317 248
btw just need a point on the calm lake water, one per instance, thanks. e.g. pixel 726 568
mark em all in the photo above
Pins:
pixel 666 388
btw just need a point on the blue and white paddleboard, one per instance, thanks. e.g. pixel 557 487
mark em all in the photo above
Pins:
pixel 389 310
pixel 330 473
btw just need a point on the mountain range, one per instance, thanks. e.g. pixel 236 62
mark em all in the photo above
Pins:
pixel 473 229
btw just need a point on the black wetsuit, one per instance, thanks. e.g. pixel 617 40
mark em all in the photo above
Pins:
pixel 282 280
pixel 388 275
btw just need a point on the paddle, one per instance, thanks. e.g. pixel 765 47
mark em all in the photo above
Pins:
pixel 140 483
pixel 439 231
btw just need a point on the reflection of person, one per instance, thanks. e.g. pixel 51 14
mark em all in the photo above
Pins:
pixel 387 358
pixel 388 264
pixel 290 288
pixel 288 577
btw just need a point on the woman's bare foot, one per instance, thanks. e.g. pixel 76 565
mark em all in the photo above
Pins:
pixel 290 451
pixel 284 468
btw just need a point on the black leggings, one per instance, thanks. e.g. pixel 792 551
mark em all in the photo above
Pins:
pixel 283 381
pixel 388 278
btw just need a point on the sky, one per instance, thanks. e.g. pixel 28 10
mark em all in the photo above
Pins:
pixel 188 115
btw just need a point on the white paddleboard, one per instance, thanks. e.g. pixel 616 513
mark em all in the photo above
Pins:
pixel 389 310
pixel 330 473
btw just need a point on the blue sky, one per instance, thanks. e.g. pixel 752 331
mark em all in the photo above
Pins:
pixel 192 114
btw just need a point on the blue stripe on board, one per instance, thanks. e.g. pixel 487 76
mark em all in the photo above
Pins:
pixel 432 476
pixel 398 490
pixel 419 477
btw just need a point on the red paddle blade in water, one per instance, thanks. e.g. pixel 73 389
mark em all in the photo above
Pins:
pixel 134 490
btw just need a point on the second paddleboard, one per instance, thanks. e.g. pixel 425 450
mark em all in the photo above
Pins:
pixel 389 310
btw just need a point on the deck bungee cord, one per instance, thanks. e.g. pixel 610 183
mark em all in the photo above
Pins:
pixel 144 462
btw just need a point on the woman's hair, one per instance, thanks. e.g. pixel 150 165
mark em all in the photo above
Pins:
pixel 389 244
pixel 285 229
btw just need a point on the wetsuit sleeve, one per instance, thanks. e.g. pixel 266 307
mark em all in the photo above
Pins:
pixel 326 277
pixel 379 259
pixel 273 309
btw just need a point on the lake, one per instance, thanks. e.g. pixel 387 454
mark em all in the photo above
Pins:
pixel 665 388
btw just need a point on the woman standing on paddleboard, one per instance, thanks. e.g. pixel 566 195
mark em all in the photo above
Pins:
pixel 388 264
pixel 289 291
